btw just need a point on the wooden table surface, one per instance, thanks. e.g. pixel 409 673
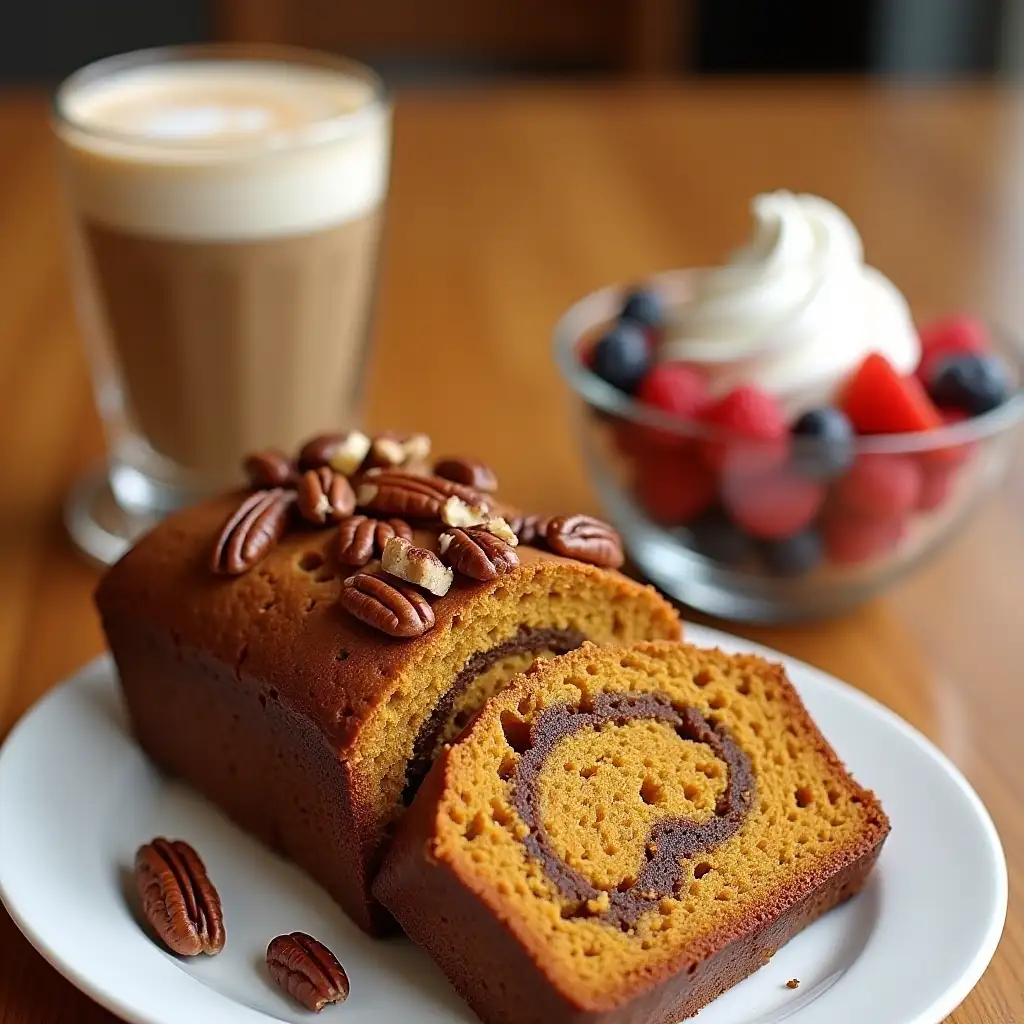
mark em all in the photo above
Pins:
pixel 505 206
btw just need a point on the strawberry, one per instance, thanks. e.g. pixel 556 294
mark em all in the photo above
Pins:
pixel 879 401
pixel 880 486
pixel 773 505
pixel 674 488
pixel 750 415
pixel 850 540
pixel 958 335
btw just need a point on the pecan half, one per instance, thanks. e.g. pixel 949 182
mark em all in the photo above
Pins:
pixel 477 554
pixel 471 472
pixel 268 468
pixel 307 970
pixel 344 453
pixel 387 605
pixel 255 527
pixel 529 529
pixel 324 496
pixel 585 539
pixel 395 492
pixel 360 536
pixel 403 559
pixel 178 898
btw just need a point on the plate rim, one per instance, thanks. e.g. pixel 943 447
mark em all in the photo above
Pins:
pixel 942 1004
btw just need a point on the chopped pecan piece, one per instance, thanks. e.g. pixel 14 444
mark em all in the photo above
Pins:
pixel 416 565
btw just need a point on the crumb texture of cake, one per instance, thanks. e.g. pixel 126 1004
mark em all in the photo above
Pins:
pixel 306 725
pixel 626 832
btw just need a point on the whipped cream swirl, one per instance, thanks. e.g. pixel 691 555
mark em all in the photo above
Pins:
pixel 795 310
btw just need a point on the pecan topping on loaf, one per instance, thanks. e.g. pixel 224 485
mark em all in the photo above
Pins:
pixel 477 554
pixel 324 496
pixel 360 537
pixel 416 565
pixel 268 468
pixel 530 528
pixel 399 493
pixel 252 531
pixel 471 472
pixel 178 898
pixel 387 605
pixel 307 970
pixel 585 539
pixel 344 453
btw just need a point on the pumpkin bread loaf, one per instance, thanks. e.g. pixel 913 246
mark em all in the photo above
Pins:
pixel 623 834
pixel 269 658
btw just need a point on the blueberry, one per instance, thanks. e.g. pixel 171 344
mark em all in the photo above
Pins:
pixel 824 447
pixel 721 540
pixel 974 383
pixel 793 556
pixel 622 356
pixel 642 307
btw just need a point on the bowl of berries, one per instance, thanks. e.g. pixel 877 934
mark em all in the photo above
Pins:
pixel 776 439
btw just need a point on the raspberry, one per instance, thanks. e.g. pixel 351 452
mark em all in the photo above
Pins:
pixel 960 335
pixel 849 540
pixel 676 389
pixel 674 489
pixel 953 455
pixel 880 486
pixel 772 506
pixel 936 487
pixel 879 401
pixel 751 415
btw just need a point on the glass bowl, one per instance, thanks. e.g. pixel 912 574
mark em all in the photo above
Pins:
pixel 679 521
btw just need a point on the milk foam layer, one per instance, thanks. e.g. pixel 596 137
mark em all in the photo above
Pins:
pixel 224 150
pixel 796 310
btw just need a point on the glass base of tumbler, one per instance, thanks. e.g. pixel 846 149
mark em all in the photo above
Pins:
pixel 98 525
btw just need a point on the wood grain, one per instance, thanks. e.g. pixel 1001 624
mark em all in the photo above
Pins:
pixel 506 206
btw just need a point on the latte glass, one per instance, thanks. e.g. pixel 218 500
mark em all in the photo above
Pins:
pixel 226 204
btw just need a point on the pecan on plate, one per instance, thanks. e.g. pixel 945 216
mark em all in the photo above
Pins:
pixel 178 898
pixel 586 539
pixel 387 605
pixel 344 453
pixel 268 468
pixel 471 472
pixel 307 970
pixel 403 559
pixel 254 528
pixel 359 537
pixel 395 492
pixel 477 554
pixel 324 496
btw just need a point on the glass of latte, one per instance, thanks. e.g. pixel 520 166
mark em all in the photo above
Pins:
pixel 226 204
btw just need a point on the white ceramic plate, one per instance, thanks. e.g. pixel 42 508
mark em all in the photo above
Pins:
pixel 77 797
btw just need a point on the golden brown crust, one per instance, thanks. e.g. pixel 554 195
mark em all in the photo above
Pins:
pixel 281 620
pixel 477 931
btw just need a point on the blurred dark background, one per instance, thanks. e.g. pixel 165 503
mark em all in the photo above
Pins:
pixel 451 40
